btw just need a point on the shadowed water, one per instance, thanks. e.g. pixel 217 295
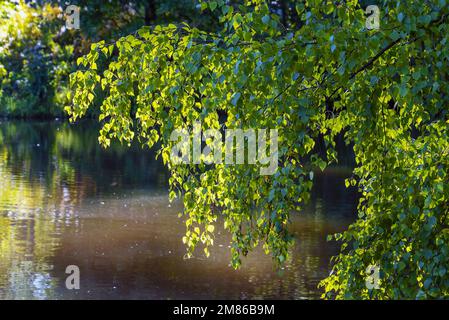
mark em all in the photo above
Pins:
pixel 66 201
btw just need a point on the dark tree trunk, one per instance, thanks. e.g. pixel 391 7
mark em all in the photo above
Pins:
pixel 294 15
pixel 284 8
pixel 150 12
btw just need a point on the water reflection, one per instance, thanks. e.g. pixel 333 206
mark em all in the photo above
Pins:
pixel 64 201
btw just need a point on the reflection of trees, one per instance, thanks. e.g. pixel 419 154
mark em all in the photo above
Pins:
pixel 32 214
pixel 72 151
pixel 26 246
pixel 46 171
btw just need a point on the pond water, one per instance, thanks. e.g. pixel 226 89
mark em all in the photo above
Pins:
pixel 66 201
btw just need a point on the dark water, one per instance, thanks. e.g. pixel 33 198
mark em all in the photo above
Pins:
pixel 65 201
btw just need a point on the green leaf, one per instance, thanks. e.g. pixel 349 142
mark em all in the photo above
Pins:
pixel 213 5
pixel 266 19
pixel 235 98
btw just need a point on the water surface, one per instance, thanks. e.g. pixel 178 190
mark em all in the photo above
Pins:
pixel 66 201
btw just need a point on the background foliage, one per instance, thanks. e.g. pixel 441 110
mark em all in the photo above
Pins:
pixel 37 52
